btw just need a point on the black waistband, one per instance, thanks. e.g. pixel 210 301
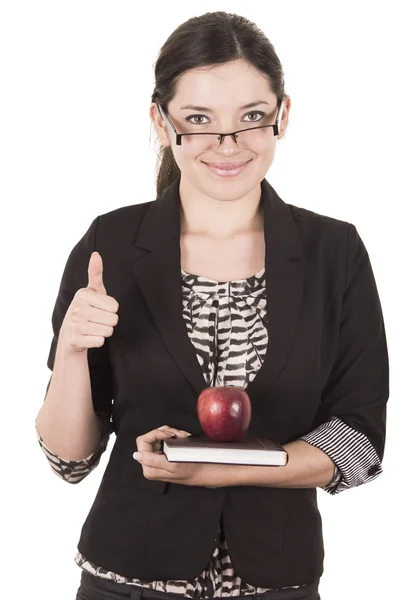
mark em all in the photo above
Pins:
pixel 101 588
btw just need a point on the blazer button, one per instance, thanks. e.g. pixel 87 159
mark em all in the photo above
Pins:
pixel 374 469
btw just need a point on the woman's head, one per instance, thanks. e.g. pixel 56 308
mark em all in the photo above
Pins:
pixel 222 62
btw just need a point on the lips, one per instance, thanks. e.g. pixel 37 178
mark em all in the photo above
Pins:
pixel 228 165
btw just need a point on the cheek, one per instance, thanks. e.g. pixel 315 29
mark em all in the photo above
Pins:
pixel 270 151
pixel 179 157
pixel 192 167
pixel 265 159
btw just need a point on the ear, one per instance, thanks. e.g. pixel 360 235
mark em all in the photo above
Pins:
pixel 159 125
pixel 284 117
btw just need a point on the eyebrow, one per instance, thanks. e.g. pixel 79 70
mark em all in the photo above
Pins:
pixel 204 108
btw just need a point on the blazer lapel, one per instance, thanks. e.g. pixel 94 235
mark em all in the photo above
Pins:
pixel 285 271
pixel 159 278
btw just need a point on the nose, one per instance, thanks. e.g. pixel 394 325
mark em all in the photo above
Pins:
pixel 228 145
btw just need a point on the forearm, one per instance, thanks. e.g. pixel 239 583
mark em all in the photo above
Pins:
pixel 307 467
pixel 66 421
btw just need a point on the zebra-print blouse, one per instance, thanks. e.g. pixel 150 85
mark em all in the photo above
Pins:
pixel 226 322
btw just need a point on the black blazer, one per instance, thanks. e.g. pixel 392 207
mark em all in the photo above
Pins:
pixel 327 356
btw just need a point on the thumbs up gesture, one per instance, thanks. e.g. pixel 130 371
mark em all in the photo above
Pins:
pixel 95 273
pixel 92 314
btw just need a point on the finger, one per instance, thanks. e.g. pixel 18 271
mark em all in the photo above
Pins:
pixel 175 433
pixel 100 301
pixel 156 465
pixel 146 442
pixel 151 441
pixel 103 316
pixel 95 273
pixel 178 432
pixel 157 446
pixel 156 474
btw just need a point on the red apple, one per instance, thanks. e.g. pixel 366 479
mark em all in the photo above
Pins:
pixel 224 413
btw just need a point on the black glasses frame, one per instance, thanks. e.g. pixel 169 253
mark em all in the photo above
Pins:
pixel 275 126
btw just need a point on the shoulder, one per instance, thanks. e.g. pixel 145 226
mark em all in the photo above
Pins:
pixel 123 220
pixel 317 230
pixel 306 218
pixel 313 228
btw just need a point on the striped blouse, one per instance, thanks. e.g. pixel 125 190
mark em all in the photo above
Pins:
pixel 226 322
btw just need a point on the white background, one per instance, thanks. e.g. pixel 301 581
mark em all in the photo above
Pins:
pixel 76 81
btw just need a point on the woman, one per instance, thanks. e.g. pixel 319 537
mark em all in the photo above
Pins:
pixel 216 282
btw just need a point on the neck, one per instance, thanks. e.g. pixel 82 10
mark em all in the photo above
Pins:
pixel 203 215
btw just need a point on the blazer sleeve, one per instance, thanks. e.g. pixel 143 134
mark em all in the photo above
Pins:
pixel 74 471
pixel 75 276
pixel 357 389
pixel 355 458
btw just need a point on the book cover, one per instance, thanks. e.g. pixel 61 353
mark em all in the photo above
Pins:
pixel 263 451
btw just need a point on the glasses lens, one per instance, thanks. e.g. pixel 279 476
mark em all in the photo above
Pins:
pixel 200 142
pixel 257 138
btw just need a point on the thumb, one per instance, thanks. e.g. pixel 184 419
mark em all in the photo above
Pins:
pixel 95 273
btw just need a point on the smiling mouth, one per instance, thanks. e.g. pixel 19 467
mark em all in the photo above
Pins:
pixel 227 166
pixel 228 172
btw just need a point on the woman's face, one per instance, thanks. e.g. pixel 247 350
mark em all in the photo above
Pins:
pixel 223 90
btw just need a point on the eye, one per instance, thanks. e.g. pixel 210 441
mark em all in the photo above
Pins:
pixel 196 117
pixel 256 112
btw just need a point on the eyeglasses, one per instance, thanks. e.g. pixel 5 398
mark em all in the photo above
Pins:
pixel 259 137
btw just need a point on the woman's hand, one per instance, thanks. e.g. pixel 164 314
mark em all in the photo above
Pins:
pixel 92 314
pixel 156 466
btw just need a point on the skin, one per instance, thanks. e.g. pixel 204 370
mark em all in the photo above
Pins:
pixel 219 207
pixel 219 210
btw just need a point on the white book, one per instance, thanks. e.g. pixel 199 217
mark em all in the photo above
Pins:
pixel 262 451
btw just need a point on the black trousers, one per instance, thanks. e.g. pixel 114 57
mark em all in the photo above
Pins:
pixel 93 587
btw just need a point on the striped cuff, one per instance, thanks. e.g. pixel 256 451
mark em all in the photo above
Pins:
pixel 350 450
pixel 73 471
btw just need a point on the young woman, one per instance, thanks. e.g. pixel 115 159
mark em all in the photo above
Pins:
pixel 216 282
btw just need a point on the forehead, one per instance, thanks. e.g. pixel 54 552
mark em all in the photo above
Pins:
pixel 231 84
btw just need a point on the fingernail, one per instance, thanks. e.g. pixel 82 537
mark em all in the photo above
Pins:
pixel 137 455
pixel 182 431
pixel 171 433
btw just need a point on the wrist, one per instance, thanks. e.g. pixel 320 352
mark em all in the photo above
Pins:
pixel 64 347
pixel 336 477
pixel 225 475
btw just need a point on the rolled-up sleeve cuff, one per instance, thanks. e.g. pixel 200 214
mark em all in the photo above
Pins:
pixel 350 450
pixel 73 471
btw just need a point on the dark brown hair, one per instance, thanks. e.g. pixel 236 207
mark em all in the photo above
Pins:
pixel 212 38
